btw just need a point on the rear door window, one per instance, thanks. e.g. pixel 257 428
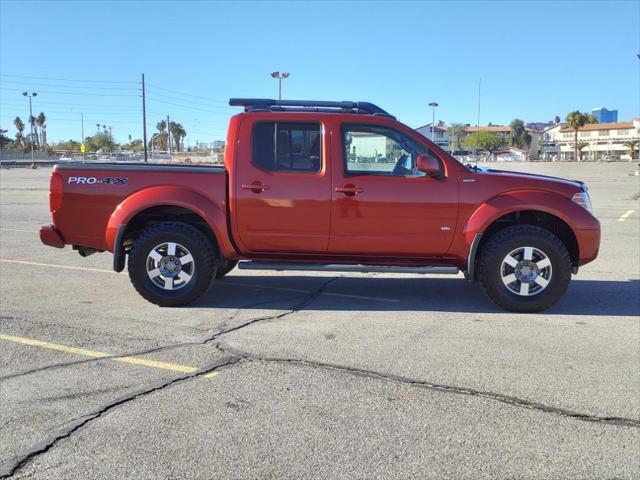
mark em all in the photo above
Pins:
pixel 287 146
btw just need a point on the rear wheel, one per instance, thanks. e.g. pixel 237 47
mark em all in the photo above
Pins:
pixel 225 267
pixel 172 264
pixel 524 268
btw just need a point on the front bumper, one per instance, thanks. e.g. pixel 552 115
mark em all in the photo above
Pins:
pixel 588 244
pixel 50 236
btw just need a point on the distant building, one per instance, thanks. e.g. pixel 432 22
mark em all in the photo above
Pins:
pixel 540 126
pixel 605 116
pixel 504 132
pixel 602 141
pixel 443 140
pixel 441 134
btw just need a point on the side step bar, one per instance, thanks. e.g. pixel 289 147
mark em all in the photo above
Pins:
pixel 337 267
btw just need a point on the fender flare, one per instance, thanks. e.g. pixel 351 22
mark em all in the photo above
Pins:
pixel 170 195
pixel 517 201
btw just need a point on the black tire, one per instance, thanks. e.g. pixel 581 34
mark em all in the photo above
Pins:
pixel 203 269
pixel 490 268
pixel 225 267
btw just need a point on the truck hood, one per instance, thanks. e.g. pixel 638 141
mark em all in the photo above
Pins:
pixel 534 178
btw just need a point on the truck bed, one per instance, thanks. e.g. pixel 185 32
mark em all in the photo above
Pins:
pixel 92 192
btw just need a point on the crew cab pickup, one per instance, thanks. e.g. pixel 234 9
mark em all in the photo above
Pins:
pixel 328 186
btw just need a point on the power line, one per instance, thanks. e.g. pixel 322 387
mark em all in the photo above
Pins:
pixel 69 86
pixel 67 79
pixel 75 119
pixel 50 106
pixel 223 102
pixel 164 102
pixel 75 93
pixel 192 102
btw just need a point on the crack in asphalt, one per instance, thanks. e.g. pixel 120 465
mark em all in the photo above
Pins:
pixel 10 468
pixel 235 357
pixel 172 346
pixel 499 397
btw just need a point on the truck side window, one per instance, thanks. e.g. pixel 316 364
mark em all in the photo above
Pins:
pixel 375 150
pixel 287 147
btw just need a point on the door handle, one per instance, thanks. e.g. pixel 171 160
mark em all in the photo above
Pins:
pixel 349 190
pixel 255 187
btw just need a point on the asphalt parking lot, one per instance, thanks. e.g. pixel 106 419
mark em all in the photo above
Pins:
pixel 285 375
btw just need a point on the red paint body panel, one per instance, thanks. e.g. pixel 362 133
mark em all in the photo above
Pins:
pixel 392 220
pixel 50 236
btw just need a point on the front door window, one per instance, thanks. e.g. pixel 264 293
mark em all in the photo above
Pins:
pixel 375 150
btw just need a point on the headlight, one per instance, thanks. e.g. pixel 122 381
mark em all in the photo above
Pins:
pixel 582 199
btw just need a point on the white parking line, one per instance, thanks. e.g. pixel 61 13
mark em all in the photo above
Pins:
pixel 68 267
pixel 297 290
pixel 225 282
pixel 35 232
pixel 626 215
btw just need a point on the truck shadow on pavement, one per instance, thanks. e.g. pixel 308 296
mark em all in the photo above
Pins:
pixel 584 297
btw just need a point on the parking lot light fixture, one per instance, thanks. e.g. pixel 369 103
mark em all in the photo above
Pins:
pixel 433 106
pixel 30 96
pixel 280 76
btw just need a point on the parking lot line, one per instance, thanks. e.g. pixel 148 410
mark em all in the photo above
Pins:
pixel 69 267
pixel 625 215
pixel 298 290
pixel 35 232
pixel 174 367
pixel 225 282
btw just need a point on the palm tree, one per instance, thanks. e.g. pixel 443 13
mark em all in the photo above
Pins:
pixel 33 137
pixel 178 132
pixel 40 120
pixel 576 121
pixel 632 145
pixel 581 146
pixel 19 124
pixel 162 136
pixel 519 136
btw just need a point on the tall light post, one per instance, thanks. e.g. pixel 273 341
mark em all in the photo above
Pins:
pixel 279 76
pixel 433 106
pixel 31 95
pixel 82 147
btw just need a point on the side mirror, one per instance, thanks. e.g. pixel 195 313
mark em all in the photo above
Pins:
pixel 428 164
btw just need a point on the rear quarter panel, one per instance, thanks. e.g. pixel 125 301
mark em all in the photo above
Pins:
pixel 88 206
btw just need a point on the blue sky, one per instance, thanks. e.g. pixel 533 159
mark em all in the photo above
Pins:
pixel 536 59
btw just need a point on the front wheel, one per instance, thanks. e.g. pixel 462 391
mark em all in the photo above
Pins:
pixel 524 268
pixel 172 263
pixel 225 267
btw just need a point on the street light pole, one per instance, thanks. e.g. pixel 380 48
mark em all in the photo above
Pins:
pixel 31 95
pixel 279 76
pixel 82 129
pixel 433 106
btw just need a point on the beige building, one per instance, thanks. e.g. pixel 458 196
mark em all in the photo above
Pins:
pixel 600 141
pixel 504 132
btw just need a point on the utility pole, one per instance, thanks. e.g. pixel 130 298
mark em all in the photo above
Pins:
pixel 82 147
pixel 144 121
pixel 110 142
pixel 168 137
pixel 31 95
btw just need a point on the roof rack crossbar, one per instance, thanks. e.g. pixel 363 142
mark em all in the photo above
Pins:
pixel 285 105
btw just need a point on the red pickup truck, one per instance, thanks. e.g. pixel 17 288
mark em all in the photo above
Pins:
pixel 326 186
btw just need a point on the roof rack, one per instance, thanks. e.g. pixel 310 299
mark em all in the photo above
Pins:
pixel 267 104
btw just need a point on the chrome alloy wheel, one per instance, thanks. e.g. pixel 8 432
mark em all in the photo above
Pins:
pixel 526 271
pixel 170 266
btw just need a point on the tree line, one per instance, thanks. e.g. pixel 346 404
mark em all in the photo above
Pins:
pixel 102 140
pixel 24 139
